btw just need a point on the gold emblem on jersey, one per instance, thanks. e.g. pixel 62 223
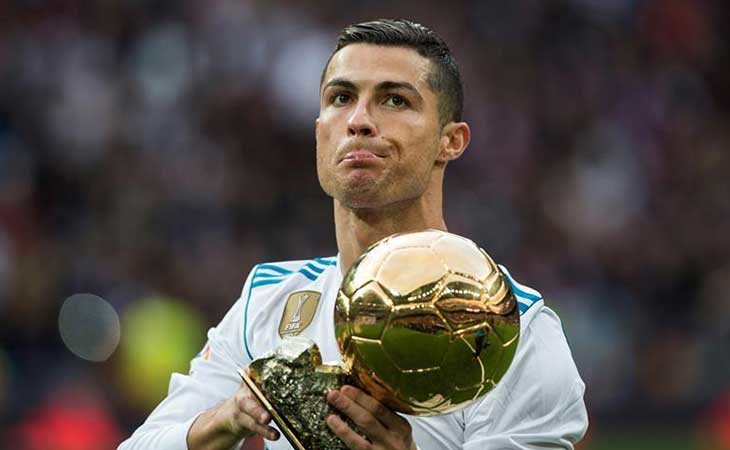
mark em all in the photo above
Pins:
pixel 298 312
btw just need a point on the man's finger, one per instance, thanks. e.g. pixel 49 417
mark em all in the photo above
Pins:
pixel 255 410
pixel 363 418
pixel 391 420
pixel 249 423
pixel 252 416
pixel 248 404
pixel 353 440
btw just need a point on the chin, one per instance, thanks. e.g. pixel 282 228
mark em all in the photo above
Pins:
pixel 360 197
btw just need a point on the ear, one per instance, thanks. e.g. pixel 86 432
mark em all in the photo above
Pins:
pixel 455 137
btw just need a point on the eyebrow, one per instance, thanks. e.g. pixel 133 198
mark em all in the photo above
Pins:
pixel 382 86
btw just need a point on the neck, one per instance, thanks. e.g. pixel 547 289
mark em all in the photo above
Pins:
pixel 357 229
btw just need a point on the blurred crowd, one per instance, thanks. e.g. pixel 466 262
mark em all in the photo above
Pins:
pixel 153 151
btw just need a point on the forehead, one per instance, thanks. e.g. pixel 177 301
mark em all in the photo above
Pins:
pixel 370 63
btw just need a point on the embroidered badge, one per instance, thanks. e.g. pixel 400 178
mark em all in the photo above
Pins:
pixel 298 312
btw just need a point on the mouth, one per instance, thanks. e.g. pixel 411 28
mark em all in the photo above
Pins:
pixel 361 155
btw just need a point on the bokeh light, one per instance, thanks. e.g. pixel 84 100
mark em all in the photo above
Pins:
pixel 89 326
pixel 160 336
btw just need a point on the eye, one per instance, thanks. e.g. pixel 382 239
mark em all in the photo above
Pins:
pixel 340 98
pixel 397 101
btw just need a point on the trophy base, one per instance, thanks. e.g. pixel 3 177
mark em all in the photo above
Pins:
pixel 280 421
pixel 292 384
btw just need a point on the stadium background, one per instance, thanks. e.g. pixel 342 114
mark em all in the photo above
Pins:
pixel 152 151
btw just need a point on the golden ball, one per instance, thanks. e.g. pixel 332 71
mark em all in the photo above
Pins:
pixel 426 322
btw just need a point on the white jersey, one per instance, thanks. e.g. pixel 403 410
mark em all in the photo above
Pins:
pixel 538 404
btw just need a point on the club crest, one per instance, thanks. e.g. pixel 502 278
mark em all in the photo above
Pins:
pixel 298 312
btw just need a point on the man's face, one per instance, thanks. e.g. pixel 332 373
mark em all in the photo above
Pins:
pixel 378 128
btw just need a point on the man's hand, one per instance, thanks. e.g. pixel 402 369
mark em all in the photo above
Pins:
pixel 384 429
pixel 240 416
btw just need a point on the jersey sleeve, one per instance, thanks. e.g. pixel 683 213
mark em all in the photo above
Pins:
pixel 540 403
pixel 212 379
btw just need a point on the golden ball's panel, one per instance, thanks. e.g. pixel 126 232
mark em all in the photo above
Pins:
pixel 424 295
pixel 459 302
pixel 505 328
pixel 372 293
pixel 369 311
pixel 503 303
pixel 380 391
pixel 348 281
pixel 366 267
pixel 425 390
pixel 343 331
pixel 407 269
pixel 495 286
pixel 464 366
pixel 388 374
pixel 460 287
pixel 462 256
pixel 495 358
pixel 417 239
pixel 493 273
pixel 500 368
pixel 416 341
pixel 342 309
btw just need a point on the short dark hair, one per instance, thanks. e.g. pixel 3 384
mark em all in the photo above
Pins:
pixel 444 78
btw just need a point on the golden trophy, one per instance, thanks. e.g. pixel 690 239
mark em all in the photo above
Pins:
pixel 426 323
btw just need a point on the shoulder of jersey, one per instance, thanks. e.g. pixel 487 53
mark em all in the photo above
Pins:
pixel 273 273
pixel 527 297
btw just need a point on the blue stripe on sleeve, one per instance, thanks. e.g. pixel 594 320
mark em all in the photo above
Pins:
pixel 270 275
pixel 326 261
pixel 275 268
pixel 525 299
pixel 523 293
pixel 314 268
pixel 245 314
pixel 264 282
pixel 311 270
pixel 308 274
pixel 519 290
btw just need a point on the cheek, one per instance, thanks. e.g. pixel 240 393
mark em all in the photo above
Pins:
pixel 423 144
pixel 324 129
pixel 324 146
pixel 416 130
pixel 321 135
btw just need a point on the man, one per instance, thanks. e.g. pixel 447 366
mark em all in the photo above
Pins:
pixel 390 121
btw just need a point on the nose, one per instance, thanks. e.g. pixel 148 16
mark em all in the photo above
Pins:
pixel 361 123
